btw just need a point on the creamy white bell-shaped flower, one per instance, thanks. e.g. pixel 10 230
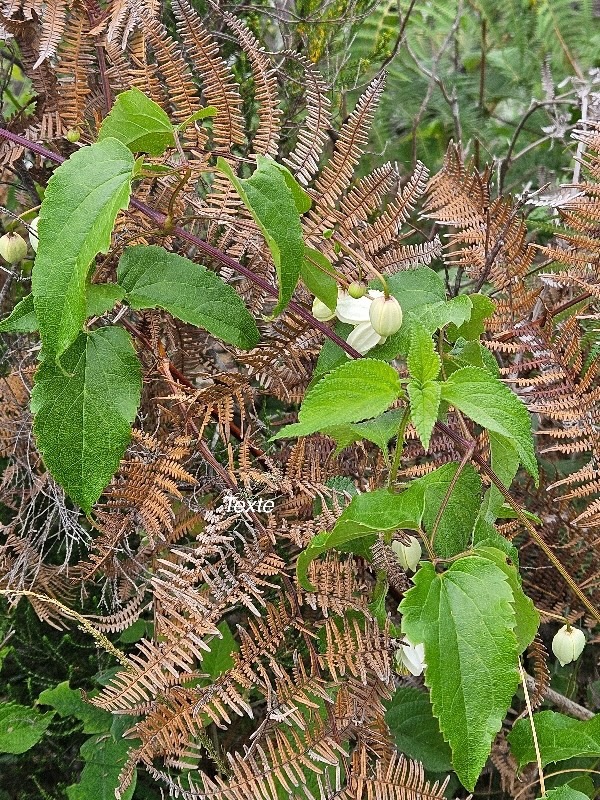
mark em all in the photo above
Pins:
pixel 386 315
pixel 353 310
pixel 363 338
pixel 408 555
pixel 13 248
pixel 321 312
pixel 33 238
pixel 568 644
pixel 411 657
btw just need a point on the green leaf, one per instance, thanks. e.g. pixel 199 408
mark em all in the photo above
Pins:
pixel 415 729
pixel 366 514
pixel 565 793
pixel 202 113
pixel 351 393
pixel 21 727
pixel 482 308
pixel 317 275
pixel 219 659
pixel 69 703
pixel 456 524
pixel 139 123
pixel 101 297
pixel 21 319
pixel 275 201
pixel 83 419
pixel 465 619
pixel 424 407
pixel 526 615
pixel 455 311
pixel 379 430
pixel 104 756
pixel 559 737
pixel 505 463
pixel 423 362
pixel 154 278
pixel 81 203
pixel 491 404
pixel 472 354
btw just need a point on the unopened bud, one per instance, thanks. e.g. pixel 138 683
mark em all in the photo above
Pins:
pixel 408 555
pixel 568 644
pixel 321 312
pixel 13 248
pixel 72 135
pixel 357 289
pixel 385 315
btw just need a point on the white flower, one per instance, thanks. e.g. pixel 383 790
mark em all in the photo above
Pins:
pixel 364 337
pixel 568 644
pixel 411 657
pixel 352 310
pixel 321 312
pixel 33 238
pixel 408 555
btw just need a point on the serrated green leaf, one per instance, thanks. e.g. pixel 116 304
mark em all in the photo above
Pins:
pixel 81 203
pixel 275 201
pixel 471 354
pixel 491 404
pixel 139 123
pixel 423 362
pixel 416 731
pixel 83 418
pixel 317 274
pixel 154 278
pixel 351 393
pixel 505 463
pixel 379 430
pixel 526 615
pixel 366 514
pixel 465 619
pixel 456 524
pixel 456 311
pixel 21 319
pixel 482 308
pixel 101 297
pixel 424 407
pixel 69 703
pixel 559 737
pixel 21 727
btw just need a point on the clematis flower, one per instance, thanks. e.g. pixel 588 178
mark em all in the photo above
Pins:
pixel 411 657
pixel 353 310
pixel 568 644
pixel 364 337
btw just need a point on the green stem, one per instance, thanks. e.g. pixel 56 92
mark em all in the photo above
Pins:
pixel 399 448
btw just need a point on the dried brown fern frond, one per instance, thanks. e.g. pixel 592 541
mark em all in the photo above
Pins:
pixel 489 237
pixel 219 88
pixel 399 778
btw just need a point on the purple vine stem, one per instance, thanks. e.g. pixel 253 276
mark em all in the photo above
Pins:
pixel 159 218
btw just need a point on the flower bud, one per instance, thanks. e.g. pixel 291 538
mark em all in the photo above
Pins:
pixel 408 555
pixel 568 644
pixel 357 289
pixel 72 135
pixel 321 312
pixel 33 237
pixel 13 248
pixel 363 338
pixel 385 315
pixel 411 657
